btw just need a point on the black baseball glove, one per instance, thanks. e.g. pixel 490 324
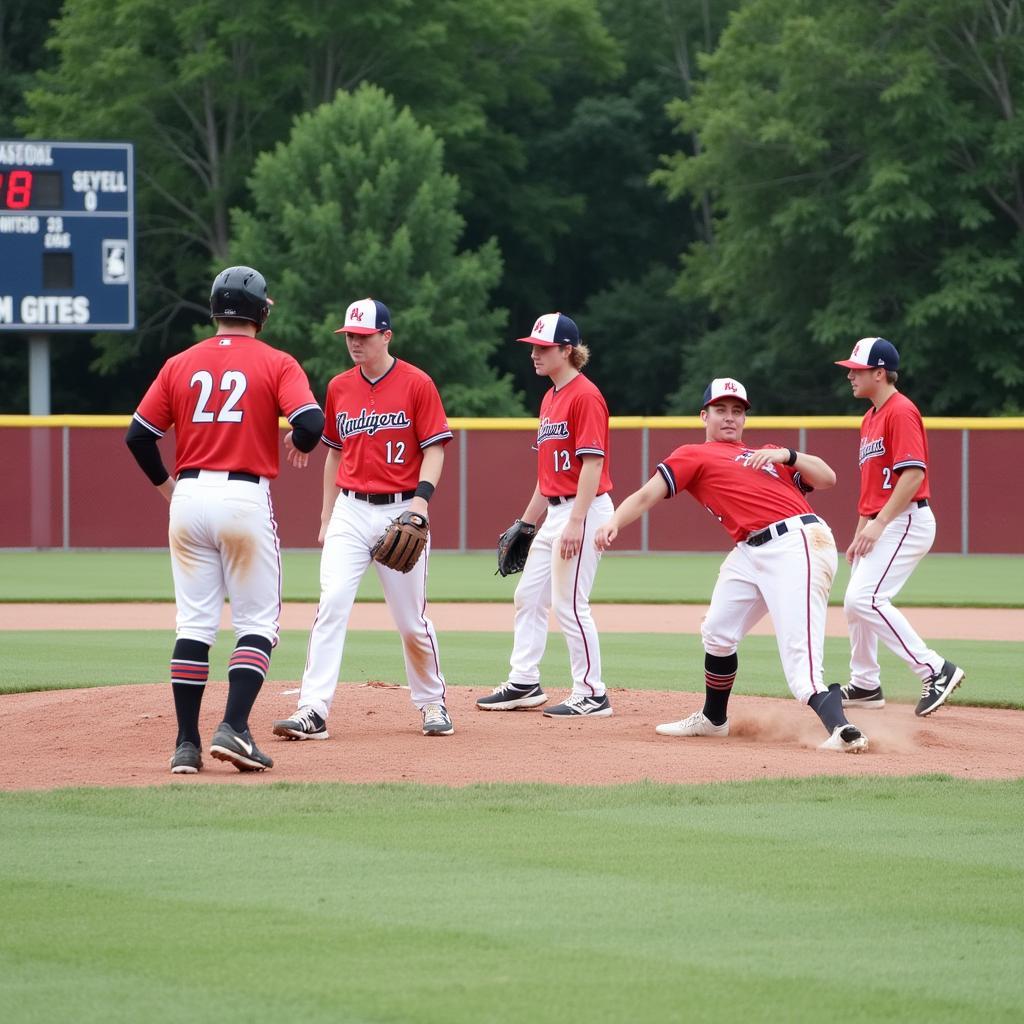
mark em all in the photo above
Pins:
pixel 514 546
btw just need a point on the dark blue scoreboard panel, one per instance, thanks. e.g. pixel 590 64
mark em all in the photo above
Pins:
pixel 67 236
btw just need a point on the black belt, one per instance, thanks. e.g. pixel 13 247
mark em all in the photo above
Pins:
pixel 757 539
pixel 920 503
pixel 560 499
pixel 378 499
pixel 191 474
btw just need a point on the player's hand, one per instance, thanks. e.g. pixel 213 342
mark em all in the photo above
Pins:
pixel 300 460
pixel 323 531
pixel 865 540
pixel 605 535
pixel 763 456
pixel 571 540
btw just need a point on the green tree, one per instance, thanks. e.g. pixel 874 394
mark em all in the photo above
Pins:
pixel 865 164
pixel 356 203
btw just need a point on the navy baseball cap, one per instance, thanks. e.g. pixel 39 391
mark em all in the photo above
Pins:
pixel 367 316
pixel 553 329
pixel 725 387
pixel 872 354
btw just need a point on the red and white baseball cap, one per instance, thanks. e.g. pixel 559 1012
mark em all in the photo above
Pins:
pixel 725 387
pixel 553 329
pixel 367 316
pixel 872 354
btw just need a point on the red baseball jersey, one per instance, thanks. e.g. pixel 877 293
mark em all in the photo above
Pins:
pixel 382 428
pixel 742 499
pixel 891 439
pixel 224 397
pixel 573 423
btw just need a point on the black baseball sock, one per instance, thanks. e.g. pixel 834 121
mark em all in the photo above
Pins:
pixel 247 669
pixel 829 708
pixel 190 668
pixel 719 675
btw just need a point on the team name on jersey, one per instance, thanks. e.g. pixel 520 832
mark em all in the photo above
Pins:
pixel 745 456
pixel 370 422
pixel 549 431
pixel 870 449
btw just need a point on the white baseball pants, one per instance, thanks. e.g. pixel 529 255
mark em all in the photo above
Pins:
pixel 548 579
pixel 790 578
pixel 876 579
pixel 353 530
pixel 223 540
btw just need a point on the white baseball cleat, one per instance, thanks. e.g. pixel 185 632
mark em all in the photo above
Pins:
pixel 698 724
pixel 847 739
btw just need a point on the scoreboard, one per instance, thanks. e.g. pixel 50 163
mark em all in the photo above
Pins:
pixel 67 236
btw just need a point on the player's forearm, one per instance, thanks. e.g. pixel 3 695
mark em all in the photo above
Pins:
pixel 331 488
pixel 815 471
pixel 586 488
pixel 906 487
pixel 433 463
pixel 639 502
pixel 535 507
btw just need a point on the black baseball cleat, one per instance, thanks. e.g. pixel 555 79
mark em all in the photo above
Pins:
pixel 858 697
pixel 239 749
pixel 510 696
pixel 937 688
pixel 579 705
pixel 305 724
pixel 187 759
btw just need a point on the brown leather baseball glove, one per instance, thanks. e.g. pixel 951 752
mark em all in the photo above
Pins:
pixel 401 544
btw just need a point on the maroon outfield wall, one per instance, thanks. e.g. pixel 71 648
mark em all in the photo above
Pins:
pixel 108 503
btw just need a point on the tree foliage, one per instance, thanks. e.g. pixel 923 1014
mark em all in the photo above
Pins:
pixel 865 167
pixel 356 203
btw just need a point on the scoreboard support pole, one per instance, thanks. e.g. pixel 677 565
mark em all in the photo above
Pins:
pixel 39 375
pixel 40 442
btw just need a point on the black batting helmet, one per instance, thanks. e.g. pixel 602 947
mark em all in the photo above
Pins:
pixel 240 293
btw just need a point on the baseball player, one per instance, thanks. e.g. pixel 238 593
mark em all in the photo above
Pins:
pixel 572 486
pixel 895 531
pixel 385 434
pixel 223 397
pixel 783 562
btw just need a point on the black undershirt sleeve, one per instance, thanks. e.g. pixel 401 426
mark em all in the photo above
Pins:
pixel 307 428
pixel 142 444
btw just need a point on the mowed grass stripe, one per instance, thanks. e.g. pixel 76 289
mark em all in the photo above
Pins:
pixel 950 580
pixel 43 660
pixel 512 903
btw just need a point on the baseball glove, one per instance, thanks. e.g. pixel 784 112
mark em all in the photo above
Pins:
pixel 401 544
pixel 514 546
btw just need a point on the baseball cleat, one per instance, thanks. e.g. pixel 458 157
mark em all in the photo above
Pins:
pixel 305 724
pixel 580 705
pixel 187 759
pixel 509 696
pixel 857 697
pixel 239 749
pixel 698 724
pixel 437 721
pixel 846 738
pixel 937 688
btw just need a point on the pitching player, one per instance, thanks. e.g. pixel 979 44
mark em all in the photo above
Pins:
pixel 895 531
pixel 385 433
pixel 572 487
pixel 223 397
pixel 783 562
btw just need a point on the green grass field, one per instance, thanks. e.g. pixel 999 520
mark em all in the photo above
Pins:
pixel 651 661
pixel 872 899
pixel 801 901
pixel 947 580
